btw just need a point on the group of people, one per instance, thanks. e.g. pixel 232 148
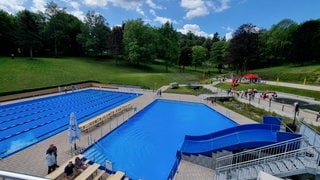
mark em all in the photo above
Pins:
pixel 73 169
pixel 70 171
pixel 159 92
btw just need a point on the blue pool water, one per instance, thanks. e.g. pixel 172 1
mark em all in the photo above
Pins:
pixel 25 123
pixel 145 146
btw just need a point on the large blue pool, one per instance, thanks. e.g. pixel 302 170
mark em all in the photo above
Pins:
pixel 145 146
pixel 25 123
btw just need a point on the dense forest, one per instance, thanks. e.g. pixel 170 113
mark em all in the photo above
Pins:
pixel 55 33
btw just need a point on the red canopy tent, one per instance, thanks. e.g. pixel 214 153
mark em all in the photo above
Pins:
pixel 251 76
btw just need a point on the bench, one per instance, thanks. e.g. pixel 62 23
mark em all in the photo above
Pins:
pixel 117 176
pixel 174 85
pixel 88 172
pixel 99 175
pixel 102 118
pixel 59 172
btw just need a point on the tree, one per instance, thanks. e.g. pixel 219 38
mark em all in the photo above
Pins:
pixel 218 53
pixel 207 43
pixel 56 25
pixel 244 47
pixel 168 47
pixel 6 33
pixel 307 42
pixel 73 28
pixel 28 33
pixel 52 9
pixel 138 40
pixel 115 41
pixel 95 34
pixel 216 37
pixel 199 55
pixel 277 43
pixel 185 58
pixel 61 32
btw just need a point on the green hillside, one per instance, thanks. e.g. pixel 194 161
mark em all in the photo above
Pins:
pixel 294 74
pixel 22 73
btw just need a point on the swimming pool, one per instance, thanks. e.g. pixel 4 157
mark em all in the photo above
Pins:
pixel 25 123
pixel 145 146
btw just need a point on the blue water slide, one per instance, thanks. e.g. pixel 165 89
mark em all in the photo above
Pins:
pixel 236 138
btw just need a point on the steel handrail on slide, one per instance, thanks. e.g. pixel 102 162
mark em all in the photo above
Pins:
pixel 272 146
pixel 233 170
pixel 227 164
pixel 271 158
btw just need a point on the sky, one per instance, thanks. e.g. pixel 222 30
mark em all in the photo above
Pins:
pixel 202 17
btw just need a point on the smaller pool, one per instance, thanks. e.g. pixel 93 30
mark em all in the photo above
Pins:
pixel 145 146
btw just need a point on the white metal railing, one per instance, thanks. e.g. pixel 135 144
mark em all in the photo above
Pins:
pixel 312 135
pixel 17 176
pixel 294 148
pixel 260 152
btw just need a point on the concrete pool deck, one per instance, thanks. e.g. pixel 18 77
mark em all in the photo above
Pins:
pixel 31 161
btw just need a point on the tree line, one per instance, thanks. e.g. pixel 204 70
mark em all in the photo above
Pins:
pixel 58 33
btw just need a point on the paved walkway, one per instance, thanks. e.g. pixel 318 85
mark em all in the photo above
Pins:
pixel 292 85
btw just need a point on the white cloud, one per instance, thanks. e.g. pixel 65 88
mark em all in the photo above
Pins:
pixel 12 6
pixel 126 4
pixel 195 29
pixel 219 7
pixel 38 5
pixel 196 8
pixel 196 12
pixel 75 5
pixel 229 33
pixel 160 19
pixel 77 11
pixel 140 11
pixel 95 2
pixel 190 4
pixel 153 5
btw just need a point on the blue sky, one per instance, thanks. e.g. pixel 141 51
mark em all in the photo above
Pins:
pixel 202 17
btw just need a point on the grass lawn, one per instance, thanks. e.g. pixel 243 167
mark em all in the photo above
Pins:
pixel 23 73
pixel 188 90
pixel 291 73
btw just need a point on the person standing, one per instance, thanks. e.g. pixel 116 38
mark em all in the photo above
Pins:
pixel 296 108
pixel 296 111
pixel 52 148
pixel 51 162
pixel 318 116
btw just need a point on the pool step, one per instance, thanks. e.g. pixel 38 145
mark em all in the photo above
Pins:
pixel 206 161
